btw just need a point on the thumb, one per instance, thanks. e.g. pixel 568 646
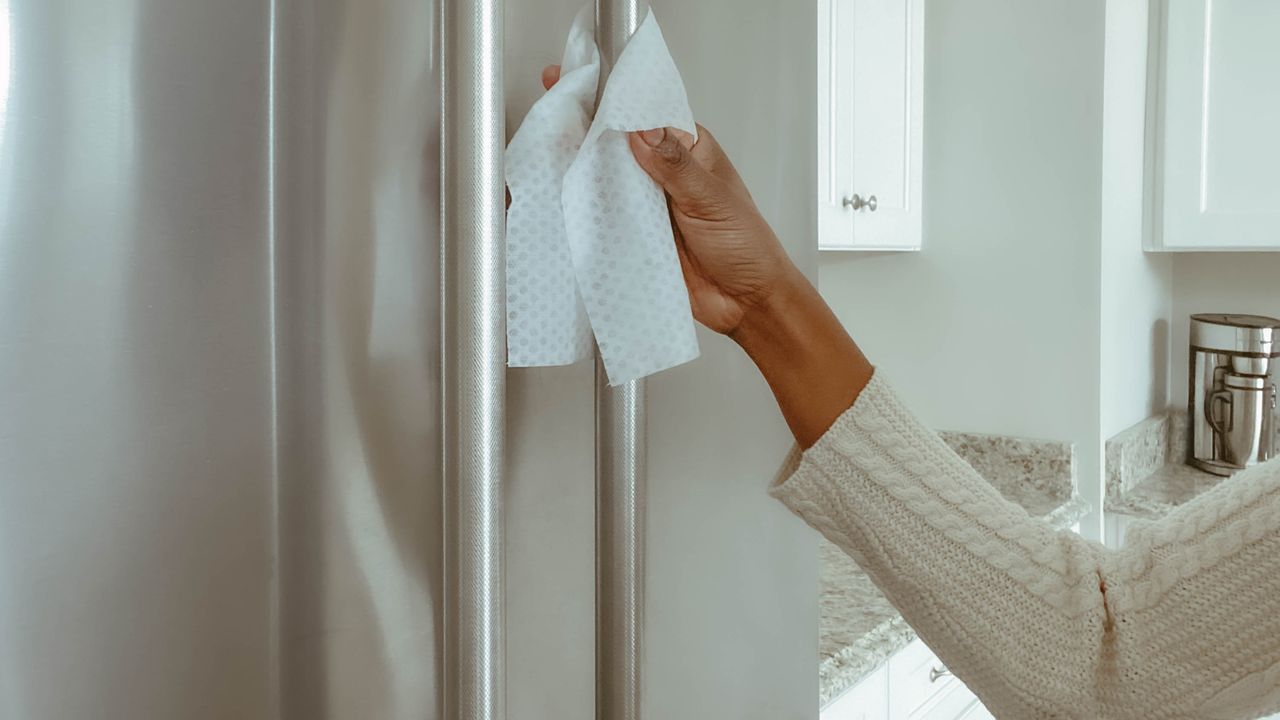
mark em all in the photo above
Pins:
pixel 693 189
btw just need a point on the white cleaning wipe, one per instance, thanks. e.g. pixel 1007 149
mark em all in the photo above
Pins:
pixel 589 241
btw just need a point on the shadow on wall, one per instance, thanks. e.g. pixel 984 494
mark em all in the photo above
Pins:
pixel 1160 348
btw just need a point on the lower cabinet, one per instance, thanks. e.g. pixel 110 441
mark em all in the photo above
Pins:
pixel 912 685
pixel 868 700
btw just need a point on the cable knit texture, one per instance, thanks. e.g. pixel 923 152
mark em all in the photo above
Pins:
pixel 1183 622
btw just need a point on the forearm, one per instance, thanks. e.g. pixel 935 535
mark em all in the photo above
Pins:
pixel 1184 622
pixel 1005 602
pixel 812 365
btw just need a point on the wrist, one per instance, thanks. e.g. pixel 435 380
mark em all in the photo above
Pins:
pixel 814 368
pixel 776 316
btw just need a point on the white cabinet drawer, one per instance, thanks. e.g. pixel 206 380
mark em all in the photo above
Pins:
pixel 868 700
pixel 912 685
pixel 953 702
pixel 916 679
pixel 976 711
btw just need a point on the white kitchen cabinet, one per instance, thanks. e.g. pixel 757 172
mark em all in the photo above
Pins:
pixel 976 711
pixel 868 700
pixel 912 685
pixel 1212 176
pixel 870 124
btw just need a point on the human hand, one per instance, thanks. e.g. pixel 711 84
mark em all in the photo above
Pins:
pixel 741 282
pixel 733 264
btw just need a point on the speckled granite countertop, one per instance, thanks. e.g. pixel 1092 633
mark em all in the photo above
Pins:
pixel 1147 474
pixel 858 627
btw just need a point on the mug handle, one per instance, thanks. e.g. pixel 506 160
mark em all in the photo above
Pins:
pixel 1216 398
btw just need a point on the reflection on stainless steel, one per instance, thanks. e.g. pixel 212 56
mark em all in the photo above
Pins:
pixel 5 57
pixel 474 351
pixel 620 534
pixel 356 118
pixel 616 20
pixel 135 459
pixel 220 385
pixel 160 555
pixel 620 476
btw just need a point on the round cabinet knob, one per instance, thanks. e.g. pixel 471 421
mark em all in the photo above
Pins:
pixel 937 673
pixel 857 202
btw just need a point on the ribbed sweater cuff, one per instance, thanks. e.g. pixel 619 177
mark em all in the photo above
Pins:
pixel 799 470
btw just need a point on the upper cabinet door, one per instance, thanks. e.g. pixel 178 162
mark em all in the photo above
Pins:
pixel 1215 184
pixel 870 124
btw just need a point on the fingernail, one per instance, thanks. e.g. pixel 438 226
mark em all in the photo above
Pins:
pixel 654 137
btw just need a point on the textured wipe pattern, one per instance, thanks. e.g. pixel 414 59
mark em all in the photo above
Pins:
pixel 610 228
pixel 1184 622
pixel 546 321
pixel 617 221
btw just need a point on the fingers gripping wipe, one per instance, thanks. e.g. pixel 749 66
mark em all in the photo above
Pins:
pixel 668 158
pixel 601 261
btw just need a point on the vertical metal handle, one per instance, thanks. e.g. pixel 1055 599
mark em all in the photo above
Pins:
pixel 620 537
pixel 620 475
pixel 473 357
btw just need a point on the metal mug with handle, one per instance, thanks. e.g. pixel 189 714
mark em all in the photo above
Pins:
pixel 1238 412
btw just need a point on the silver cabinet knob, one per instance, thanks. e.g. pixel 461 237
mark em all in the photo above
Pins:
pixel 857 202
pixel 938 673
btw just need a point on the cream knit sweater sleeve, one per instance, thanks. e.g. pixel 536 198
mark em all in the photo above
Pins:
pixel 1184 622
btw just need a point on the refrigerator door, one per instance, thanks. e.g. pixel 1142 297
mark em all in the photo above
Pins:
pixel 356 198
pixel 731 597
pixel 219 491
pixel 219 460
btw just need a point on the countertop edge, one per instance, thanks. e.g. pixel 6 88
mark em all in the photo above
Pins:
pixel 1147 473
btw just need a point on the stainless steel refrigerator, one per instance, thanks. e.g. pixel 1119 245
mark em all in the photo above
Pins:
pixel 226 382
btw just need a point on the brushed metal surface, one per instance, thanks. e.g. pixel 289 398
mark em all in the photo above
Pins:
pixel 355 113
pixel 474 373
pixel 1251 335
pixel 731 576
pixel 136 476
pixel 218 224
pixel 620 551
pixel 616 20
pixel 219 459
pixel 621 446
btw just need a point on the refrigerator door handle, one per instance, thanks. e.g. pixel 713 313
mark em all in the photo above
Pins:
pixel 473 362
pixel 621 448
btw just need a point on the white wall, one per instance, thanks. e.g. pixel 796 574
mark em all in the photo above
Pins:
pixel 1136 286
pixel 1217 282
pixel 993 326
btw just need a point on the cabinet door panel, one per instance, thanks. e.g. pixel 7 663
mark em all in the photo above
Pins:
pixel 1221 107
pixel 835 123
pixel 886 100
pixel 870 120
